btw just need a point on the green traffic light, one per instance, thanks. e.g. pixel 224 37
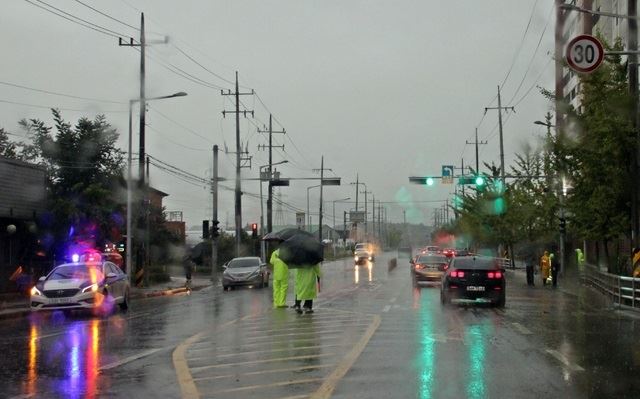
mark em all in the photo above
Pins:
pixel 430 181
pixel 479 181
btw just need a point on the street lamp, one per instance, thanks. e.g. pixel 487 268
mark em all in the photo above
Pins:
pixel 129 178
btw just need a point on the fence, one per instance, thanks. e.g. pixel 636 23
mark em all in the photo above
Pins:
pixel 622 290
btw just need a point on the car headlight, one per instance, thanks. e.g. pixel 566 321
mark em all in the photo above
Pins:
pixel 370 258
pixel 356 257
pixel 35 291
pixel 92 288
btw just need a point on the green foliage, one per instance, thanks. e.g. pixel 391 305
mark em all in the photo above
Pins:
pixel 84 167
pixel 8 149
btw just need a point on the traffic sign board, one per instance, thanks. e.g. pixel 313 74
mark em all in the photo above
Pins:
pixel 447 174
pixel 584 53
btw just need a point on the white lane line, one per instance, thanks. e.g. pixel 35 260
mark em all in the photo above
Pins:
pixel 135 316
pixel 563 359
pixel 522 329
pixel 386 308
pixel 129 359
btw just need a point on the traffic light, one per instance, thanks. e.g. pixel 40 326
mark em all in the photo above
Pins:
pixel 563 225
pixel 429 181
pixel 254 230
pixel 479 180
pixel 215 230
pixel 205 229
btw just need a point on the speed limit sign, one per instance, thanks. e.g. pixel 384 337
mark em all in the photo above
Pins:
pixel 584 53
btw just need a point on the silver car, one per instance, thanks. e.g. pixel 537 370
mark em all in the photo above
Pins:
pixel 82 285
pixel 245 271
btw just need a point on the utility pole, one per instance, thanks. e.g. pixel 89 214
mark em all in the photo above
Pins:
pixel 321 186
pixel 366 211
pixel 238 189
pixel 270 189
pixel 344 221
pixel 476 143
pixel 632 46
pixel 373 215
pixel 500 108
pixel 214 192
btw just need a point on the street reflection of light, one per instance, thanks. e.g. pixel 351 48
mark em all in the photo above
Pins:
pixel 370 267
pixel 357 274
pixel 71 388
pixel 32 367
pixel 477 336
pixel 93 352
pixel 427 351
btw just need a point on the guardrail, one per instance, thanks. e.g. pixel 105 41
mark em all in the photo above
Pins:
pixel 622 290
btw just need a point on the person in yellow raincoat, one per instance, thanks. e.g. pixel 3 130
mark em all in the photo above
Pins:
pixel 545 267
pixel 280 280
pixel 306 287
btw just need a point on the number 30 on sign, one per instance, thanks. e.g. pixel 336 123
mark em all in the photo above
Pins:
pixel 584 53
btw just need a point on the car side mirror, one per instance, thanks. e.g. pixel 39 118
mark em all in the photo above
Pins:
pixel 111 275
pixel 42 278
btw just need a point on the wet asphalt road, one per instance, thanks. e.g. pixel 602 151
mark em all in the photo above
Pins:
pixel 373 335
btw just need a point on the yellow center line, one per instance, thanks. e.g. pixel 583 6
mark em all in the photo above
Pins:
pixel 275 384
pixel 278 359
pixel 191 359
pixel 219 377
pixel 330 383
pixel 185 379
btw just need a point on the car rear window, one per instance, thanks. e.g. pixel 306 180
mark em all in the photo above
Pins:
pixel 431 259
pixel 247 262
pixel 475 262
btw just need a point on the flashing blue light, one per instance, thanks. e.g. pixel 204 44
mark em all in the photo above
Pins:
pixel 75 258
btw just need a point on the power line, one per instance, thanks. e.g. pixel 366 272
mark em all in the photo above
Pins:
pixel 534 83
pixel 535 52
pixel 184 74
pixel 201 66
pixel 181 125
pixel 77 20
pixel 515 57
pixel 107 15
pixel 60 94
pixel 175 142
pixel 60 108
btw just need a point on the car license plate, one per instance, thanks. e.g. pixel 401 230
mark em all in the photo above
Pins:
pixel 59 301
pixel 475 288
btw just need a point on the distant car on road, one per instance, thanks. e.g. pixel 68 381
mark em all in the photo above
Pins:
pixel 245 271
pixel 474 278
pixel 366 247
pixel 429 267
pixel 362 256
pixel 81 285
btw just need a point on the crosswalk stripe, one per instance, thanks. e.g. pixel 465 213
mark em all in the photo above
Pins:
pixel 278 359
pixel 269 371
pixel 275 384
pixel 325 338
pixel 263 351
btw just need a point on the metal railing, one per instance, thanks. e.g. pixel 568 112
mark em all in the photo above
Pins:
pixel 622 290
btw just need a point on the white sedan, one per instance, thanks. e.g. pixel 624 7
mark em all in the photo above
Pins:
pixel 82 285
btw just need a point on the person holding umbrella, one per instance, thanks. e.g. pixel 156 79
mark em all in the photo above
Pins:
pixel 302 251
pixel 306 288
pixel 280 280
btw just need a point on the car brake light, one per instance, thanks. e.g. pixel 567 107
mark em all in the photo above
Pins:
pixel 490 274
pixel 498 274
pixel 457 274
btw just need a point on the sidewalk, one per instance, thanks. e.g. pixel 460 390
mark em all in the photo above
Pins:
pixel 17 305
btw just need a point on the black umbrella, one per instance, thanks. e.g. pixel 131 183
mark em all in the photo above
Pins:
pixel 301 250
pixel 285 234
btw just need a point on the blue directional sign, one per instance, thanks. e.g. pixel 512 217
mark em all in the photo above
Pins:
pixel 447 174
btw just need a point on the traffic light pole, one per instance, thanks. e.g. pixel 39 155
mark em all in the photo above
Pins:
pixel 214 192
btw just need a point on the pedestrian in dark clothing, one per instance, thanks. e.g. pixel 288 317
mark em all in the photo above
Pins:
pixel 529 262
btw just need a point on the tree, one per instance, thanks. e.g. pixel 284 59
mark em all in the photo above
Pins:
pixel 83 166
pixel 8 149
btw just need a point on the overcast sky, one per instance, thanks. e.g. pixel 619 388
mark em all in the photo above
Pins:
pixel 383 89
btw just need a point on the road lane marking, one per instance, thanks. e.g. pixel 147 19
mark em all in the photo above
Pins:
pixel 522 329
pixel 271 371
pixel 135 316
pixel 330 383
pixel 313 326
pixel 258 338
pixel 276 359
pixel 386 308
pixel 185 379
pixel 273 350
pixel 325 338
pixel 263 386
pixel 563 359
pixel 129 359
